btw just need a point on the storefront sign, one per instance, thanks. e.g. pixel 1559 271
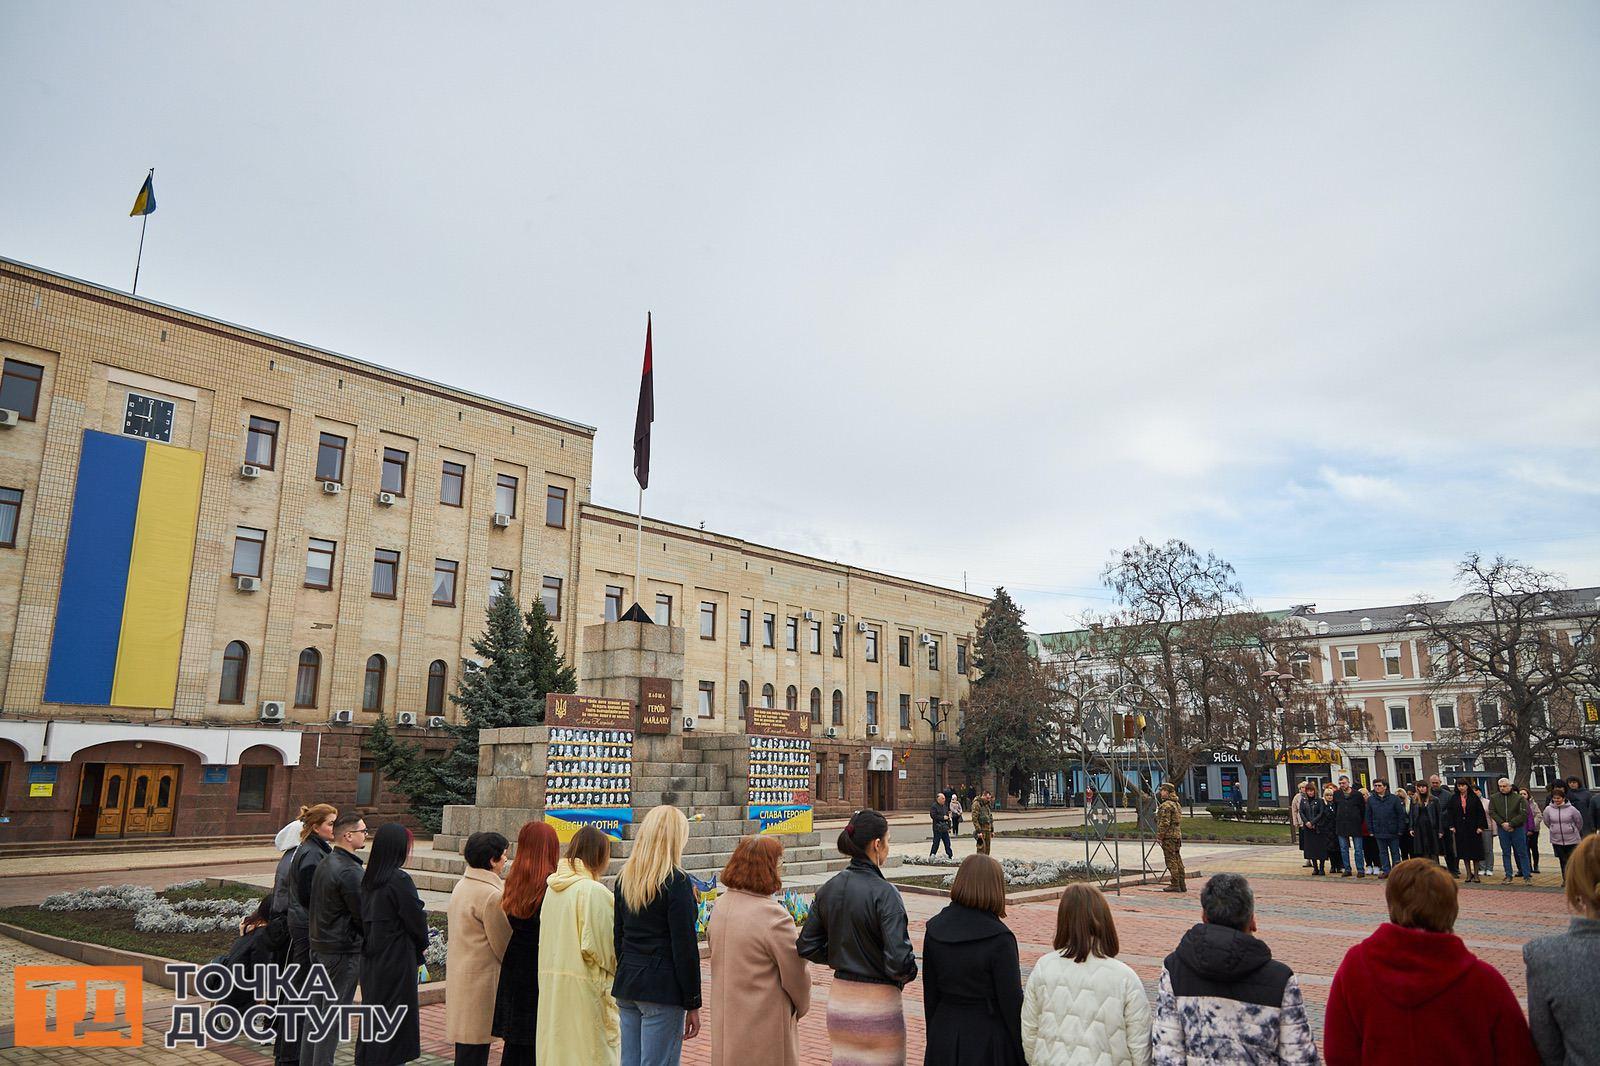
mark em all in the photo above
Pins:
pixel 1308 755
pixel 588 712
pixel 655 706
pixel 777 722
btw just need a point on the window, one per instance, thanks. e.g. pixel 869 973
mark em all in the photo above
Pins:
pixel 838 708
pixel 838 640
pixel 816 638
pixel 1445 715
pixel 816 705
pixel 872 708
pixel 767 692
pixel 1399 717
pixel 10 516
pixel 555 507
pixel 872 645
pixel 791 633
pixel 1391 661
pixel 905 710
pixel 253 781
pixel 961 657
pixel 933 655
pixel 436 680
pixel 744 699
pixel 505 495
pixel 500 583
pixel 1300 665
pixel 319 563
pixel 663 609
pixel 452 484
pixel 744 628
pixel 1543 775
pixel 19 388
pixel 330 457
pixel 708 698
pixel 235 664
pixel 261 443
pixel 366 782
pixel 372 687
pixel 769 629
pixel 905 649
pixel 394 471
pixel 1347 663
pixel 385 573
pixel 306 678
pixel 1488 713
pixel 791 699
pixel 550 596
pixel 613 609
pixel 444 582
pixel 842 775
pixel 249 545
pixel 708 620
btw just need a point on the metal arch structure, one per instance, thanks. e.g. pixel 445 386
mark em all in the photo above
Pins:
pixel 1104 840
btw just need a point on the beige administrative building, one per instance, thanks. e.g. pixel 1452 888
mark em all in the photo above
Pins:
pixel 224 554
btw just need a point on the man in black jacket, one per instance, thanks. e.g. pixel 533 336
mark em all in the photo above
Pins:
pixel 1349 812
pixel 1581 798
pixel 940 815
pixel 336 926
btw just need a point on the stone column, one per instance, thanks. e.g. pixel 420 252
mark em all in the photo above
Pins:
pixel 615 656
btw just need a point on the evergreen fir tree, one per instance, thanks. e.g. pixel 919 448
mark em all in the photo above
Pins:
pixel 1006 726
pixel 547 668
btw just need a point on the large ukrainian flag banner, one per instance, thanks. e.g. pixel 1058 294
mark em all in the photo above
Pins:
pixel 125 584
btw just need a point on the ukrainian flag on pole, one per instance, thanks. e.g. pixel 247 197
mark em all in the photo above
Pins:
pixel 145 202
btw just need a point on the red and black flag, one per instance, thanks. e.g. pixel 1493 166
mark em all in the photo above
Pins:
pixel 646 415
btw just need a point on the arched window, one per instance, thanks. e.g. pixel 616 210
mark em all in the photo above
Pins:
pixel 372 691
pixel 307 677
pixel 791 699
pixel 766 695
pixel 436 687
pixel 235 661
pixel 164 792
pixel 744 697
pixel 838 707
pixel 816 705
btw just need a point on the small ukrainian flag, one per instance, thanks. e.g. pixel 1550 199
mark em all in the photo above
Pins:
pixel 145 202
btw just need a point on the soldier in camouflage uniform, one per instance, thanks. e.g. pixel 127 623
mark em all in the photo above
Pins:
pixel 983 822
pixel 1170 836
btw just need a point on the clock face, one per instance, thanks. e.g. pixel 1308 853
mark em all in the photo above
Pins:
pixel 149 417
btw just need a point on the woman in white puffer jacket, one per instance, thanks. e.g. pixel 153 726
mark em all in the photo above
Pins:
pixel 1081 1006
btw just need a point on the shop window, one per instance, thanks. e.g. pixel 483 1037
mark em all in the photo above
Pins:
pixel 253 782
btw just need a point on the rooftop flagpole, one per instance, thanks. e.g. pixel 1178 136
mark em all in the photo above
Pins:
pixel 641 471
pixel 144 205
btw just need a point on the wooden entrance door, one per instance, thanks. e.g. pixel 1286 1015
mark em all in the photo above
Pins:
pixel 880 790
pixel 113 801
pixel 152 795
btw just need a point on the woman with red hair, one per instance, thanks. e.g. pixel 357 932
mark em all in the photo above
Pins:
pixel 516 1001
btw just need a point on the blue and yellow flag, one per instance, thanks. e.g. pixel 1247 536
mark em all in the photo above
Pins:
pixel 145 202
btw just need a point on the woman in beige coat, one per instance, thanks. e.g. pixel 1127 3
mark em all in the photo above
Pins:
pixel 759 986
pixel 475 944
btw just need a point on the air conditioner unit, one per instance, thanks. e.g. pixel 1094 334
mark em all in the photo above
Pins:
pixel 839 618
pixel 343 717
pixel 688 723
pixel 861 627
pixel 872 730
pixel 831 733
pixel 926 638
pixel 249 471
pixel 406 718
pixel 943 738
pixel 810 616
pixel 272 710
pixel 332 488
pixel 436 721
pixel 247 584
pixel 385 499
pixel 9 418
pixel 501 521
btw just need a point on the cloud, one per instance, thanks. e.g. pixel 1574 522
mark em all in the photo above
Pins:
pixel 1361 488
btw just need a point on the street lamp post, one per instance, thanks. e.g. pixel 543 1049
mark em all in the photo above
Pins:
pixel 936 713
pixel 1280 684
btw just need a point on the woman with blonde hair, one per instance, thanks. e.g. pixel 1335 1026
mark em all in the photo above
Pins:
pixel 657 986
pixel 759 986
pixel 577 1016
pixel 1562 969
pixel 1082 1004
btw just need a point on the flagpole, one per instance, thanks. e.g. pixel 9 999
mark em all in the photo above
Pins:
pixel 145 222
pixel 638 556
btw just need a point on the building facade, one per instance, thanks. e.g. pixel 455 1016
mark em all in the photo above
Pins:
pixel 223 555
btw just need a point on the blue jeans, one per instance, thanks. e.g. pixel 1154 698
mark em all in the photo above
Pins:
pixel 1388 852
pixel 652 1033
pixel 1361 858
pixel 1514 843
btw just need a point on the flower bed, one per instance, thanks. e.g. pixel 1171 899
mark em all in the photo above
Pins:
pixel 1022 873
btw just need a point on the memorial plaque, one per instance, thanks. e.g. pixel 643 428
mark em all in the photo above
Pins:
pixel 588 712
pixel 778 722
pixel 781 767
pixel 655 706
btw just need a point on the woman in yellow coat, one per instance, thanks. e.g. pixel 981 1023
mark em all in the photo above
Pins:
pixel 578 1024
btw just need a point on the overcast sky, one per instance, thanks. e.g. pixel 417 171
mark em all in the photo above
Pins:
pixel 982 290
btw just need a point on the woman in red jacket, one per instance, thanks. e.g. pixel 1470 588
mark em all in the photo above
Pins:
pixel 1413 992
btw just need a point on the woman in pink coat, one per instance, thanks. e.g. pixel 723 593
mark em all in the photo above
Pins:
pixel 759 986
